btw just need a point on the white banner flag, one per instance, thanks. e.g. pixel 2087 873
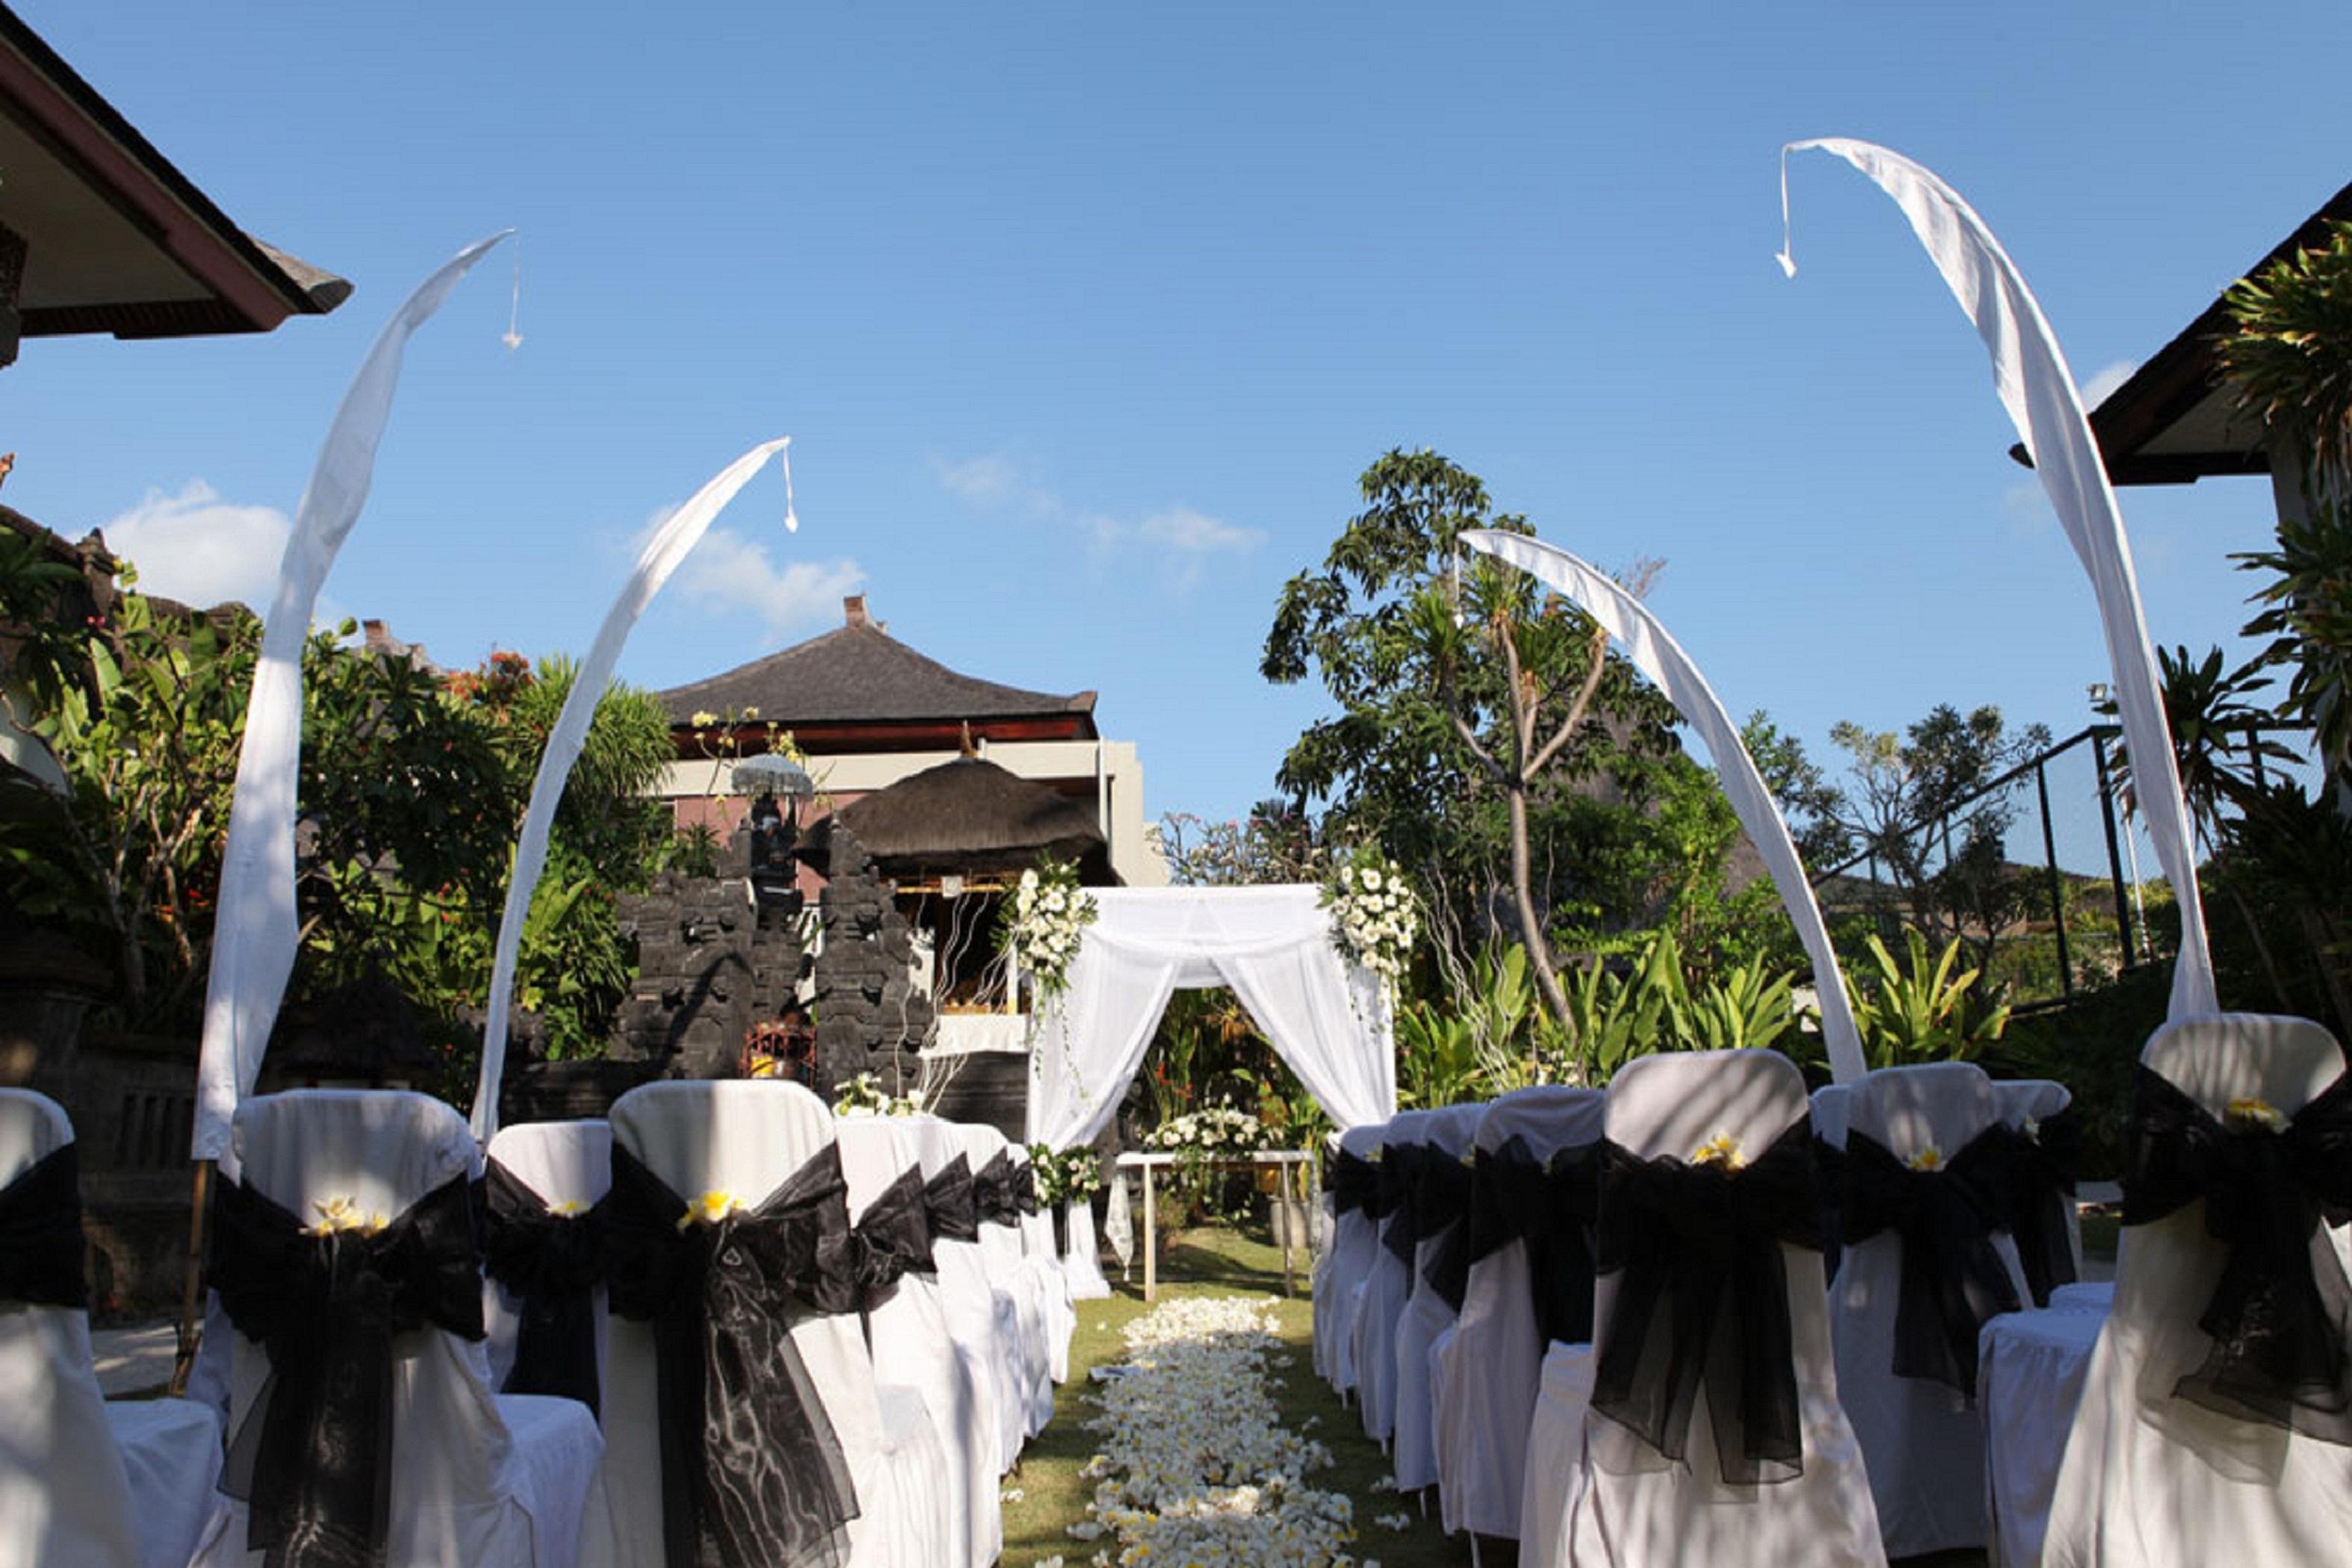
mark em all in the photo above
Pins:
pixel 670 545
pixel 254 935
pixel 2030 376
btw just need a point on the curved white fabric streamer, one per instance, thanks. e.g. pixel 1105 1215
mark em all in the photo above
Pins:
pixel 670 545
pixel 1656 654
pixel 256 934
pixel 2035 386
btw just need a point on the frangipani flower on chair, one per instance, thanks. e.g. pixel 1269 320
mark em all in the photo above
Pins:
pixel 1929 1158
pixel 338 1216
pixel 2252 1115
pixel 1723 1149
pixel 712 1207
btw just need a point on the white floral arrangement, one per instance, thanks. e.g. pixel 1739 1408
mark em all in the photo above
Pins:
pixel 1066 1176
pixel 1040 923
pixel 1212 1133
pixel 863 1096
pixel 1375 919
pixel 1194 1463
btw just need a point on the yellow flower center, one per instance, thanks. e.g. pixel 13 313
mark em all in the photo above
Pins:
pixel 1929 1158
pixel 569 1208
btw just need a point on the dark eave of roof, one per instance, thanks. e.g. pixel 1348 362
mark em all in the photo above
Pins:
pixel 252 286
pixel 2183 379
pixel 859 674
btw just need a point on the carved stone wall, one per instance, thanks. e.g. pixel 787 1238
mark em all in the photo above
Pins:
pixel 707 971
pixel 868 1016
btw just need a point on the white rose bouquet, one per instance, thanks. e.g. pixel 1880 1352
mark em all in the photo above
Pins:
pixel 1375 918
pixel 1042 921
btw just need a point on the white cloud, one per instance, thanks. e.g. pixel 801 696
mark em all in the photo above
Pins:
pixel 732 571
pixel 1176 542
pixel 201 549
pixel 2104 381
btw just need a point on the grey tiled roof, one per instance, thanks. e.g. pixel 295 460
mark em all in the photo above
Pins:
pixel 860 672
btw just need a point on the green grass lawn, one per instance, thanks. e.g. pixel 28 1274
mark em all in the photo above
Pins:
pixel 1224 1263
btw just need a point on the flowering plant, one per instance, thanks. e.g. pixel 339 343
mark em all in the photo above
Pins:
pixel 1374 916
pixel 1040 923
pixel 863 1096
pixel 1066 1175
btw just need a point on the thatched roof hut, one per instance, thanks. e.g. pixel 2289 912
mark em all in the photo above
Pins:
pixel 970 817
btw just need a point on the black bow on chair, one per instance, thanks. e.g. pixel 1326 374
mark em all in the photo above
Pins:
pixel 2278 1314
pixel 996 1192
pixel 1952 1277
pixel 1024 1187
pixel 551 1264
pixel 1549 1206
pixel 2039 1176
pixel 1443 1204
pixel 894 1239
pixel 752 1473
pixel 949 1203
pixel 1400 1176
pixel 41 1245
pixel 1703 1301
pixel 1829 1162
pixel 1355 1183
pixel 312 1458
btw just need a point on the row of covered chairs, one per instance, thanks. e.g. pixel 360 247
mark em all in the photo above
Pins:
pixel 1472 1360
pixel 720 1323
pixel 1617 1302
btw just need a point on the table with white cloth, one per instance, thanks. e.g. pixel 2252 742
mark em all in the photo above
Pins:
pixel 1303 1166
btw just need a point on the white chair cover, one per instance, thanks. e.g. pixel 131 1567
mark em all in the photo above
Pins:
pixel 1380 1301
pixel 911 1345
pixel 1081 1258
pixel 476 1478
pixel 1009 1272
pixel 1488 1369
pixel 2156 1481
pixel 1624 1504
pixel 563 1162
pixel 71 1465
pixel 748 1137
pixel 1925 1441
pixel 980 1320
pixel 2031 1368
pixel 1341 1268
pixel 1426 1316
pixel 1059 1317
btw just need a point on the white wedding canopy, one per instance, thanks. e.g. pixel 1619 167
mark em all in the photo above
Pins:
pixel 1327 1017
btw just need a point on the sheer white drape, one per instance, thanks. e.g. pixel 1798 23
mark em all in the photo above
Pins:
pixel 1329 1019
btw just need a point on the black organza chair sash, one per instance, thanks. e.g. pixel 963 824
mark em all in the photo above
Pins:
pixel 752 1472
pixel 894 1239
pixel 995 1193
pixel 1513 1196
pixel 551 1264
pixel 2042 1162
pixel 41 1247
pixel 1400 1166
pixel 1702 1300
pixel 2279 1312
pixel 1829 1160
pixel 1355 1182
pixel 312 1459
pixel 1952 1278
pixel 1024 1187
pixel 948 1201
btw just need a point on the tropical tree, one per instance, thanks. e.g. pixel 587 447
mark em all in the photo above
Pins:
pixel 1469 700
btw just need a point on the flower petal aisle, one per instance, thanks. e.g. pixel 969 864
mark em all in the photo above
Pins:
pixel 1194 1464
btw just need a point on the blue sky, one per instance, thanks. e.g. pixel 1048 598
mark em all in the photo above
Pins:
pixel 1084 319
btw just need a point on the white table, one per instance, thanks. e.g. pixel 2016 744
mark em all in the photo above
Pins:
pixel 1309 1161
